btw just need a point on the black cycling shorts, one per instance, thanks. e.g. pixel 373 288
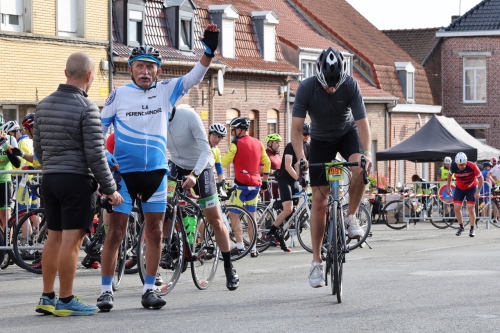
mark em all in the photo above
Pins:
pixel 5 195
pixel 70 201
pixel 288 188
pixel 324 151
pixel 205 185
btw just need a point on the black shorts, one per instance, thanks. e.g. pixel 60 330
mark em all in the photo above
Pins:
pixel 69 201
pixel 144 184
pixel 5 195
pixel 324 151
pixel 288 187
pixel 205 185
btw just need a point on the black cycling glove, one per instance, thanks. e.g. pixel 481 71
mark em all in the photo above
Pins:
pixel 210 41
pixel 17 152
pixel 264 185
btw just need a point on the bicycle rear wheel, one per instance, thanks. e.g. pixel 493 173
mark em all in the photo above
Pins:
pixel 303 231
pixel 434 211
pixel 206 256
pixel 365 221
pixel 28 233
pixel 392 214
pixel 173 257
pixel 120 263
pixel 248 229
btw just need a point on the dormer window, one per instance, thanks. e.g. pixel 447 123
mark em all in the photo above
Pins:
pixel 135 25
pixel 265 25
pixel 406 75
pixel 225 16
pixel 179 15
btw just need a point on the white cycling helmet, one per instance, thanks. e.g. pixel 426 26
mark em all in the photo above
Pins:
pixel 447 160
pixel 11 126
pixel 461 158
pixel 217 128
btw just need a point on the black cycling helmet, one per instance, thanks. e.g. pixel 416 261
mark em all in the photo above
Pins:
pixel 240 122
pixel 488 163
pixel 306 128
pixel 145 53
pixel 28 120
pixel 331 68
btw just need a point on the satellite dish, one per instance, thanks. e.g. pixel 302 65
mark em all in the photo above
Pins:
pixel 220 82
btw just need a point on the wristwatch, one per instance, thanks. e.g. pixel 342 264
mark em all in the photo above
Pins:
pixel 196 174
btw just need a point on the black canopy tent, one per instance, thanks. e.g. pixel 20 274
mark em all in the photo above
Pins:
pixel 440 137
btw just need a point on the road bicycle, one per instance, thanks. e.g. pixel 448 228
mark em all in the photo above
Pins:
pixel 200 249
pixel 335 246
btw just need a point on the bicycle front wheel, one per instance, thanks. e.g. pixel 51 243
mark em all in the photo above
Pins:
pixel 4 260
pixel 206 256
pixel 120 263
pixel 365 222
pixel 31 231
pixel 173 258
pixel 246 230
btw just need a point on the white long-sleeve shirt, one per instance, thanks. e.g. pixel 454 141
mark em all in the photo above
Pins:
pixel 187 141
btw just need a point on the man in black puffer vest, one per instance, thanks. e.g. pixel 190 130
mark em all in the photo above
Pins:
pixel 69 144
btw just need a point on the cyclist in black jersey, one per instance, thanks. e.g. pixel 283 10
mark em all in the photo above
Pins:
pixel 333 101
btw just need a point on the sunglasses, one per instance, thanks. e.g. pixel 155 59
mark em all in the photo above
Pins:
pixel 462 165
pixel 118 178
pixel 218 136
pixel 305 134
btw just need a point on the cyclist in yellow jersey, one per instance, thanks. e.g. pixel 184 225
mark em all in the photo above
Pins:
pixel 216 132
pixel 25 199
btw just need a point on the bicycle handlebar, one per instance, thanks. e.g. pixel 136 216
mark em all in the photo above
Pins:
pixel 362 164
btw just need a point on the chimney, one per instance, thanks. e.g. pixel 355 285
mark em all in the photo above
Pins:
pixel 454 17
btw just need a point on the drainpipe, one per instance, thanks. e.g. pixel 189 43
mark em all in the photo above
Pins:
pixel 387 131
pixel 288 116
pixel 110 66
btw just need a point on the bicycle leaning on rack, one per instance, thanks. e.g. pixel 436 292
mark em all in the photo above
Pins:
pixel 335 245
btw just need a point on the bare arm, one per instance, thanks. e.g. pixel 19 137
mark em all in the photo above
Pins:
pixel 296 136
pixel 365 139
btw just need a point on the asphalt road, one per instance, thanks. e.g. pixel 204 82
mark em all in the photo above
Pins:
pixel 417 280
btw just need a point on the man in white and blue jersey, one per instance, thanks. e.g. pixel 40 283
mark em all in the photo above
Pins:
pixel 139 112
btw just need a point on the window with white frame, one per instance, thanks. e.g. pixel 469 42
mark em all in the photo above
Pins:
pixel 478 131
pixel 272 121
pixel 71 18
pixel 406 75
pixel 135 26
pixel 474 79
pixel 10 112
pixel 186 33
pixel 12 15
pixel 308 68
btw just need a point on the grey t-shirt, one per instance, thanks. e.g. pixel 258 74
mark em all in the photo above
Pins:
pixel 332 115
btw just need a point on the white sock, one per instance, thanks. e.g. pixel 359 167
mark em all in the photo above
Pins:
pixel 254 249
pixel 106 288
pixel 146 287
pixel 240 245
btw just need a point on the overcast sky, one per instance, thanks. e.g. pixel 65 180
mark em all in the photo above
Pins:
pixel 411 14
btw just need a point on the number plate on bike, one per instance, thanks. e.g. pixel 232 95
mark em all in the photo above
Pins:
pixel 334 173
pixel 171 185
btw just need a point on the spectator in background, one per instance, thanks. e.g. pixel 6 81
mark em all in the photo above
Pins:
pixel 68 141
pixel 273 142
pixel 493 161
pixel 306 134
pixel 442 172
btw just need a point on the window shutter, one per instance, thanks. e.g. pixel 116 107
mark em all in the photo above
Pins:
pixel 228 38
pixel 12 7
pixel 67 16
pixel 269 42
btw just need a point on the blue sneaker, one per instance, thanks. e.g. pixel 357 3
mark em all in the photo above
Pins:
pixel 74 308
pixel 46 305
